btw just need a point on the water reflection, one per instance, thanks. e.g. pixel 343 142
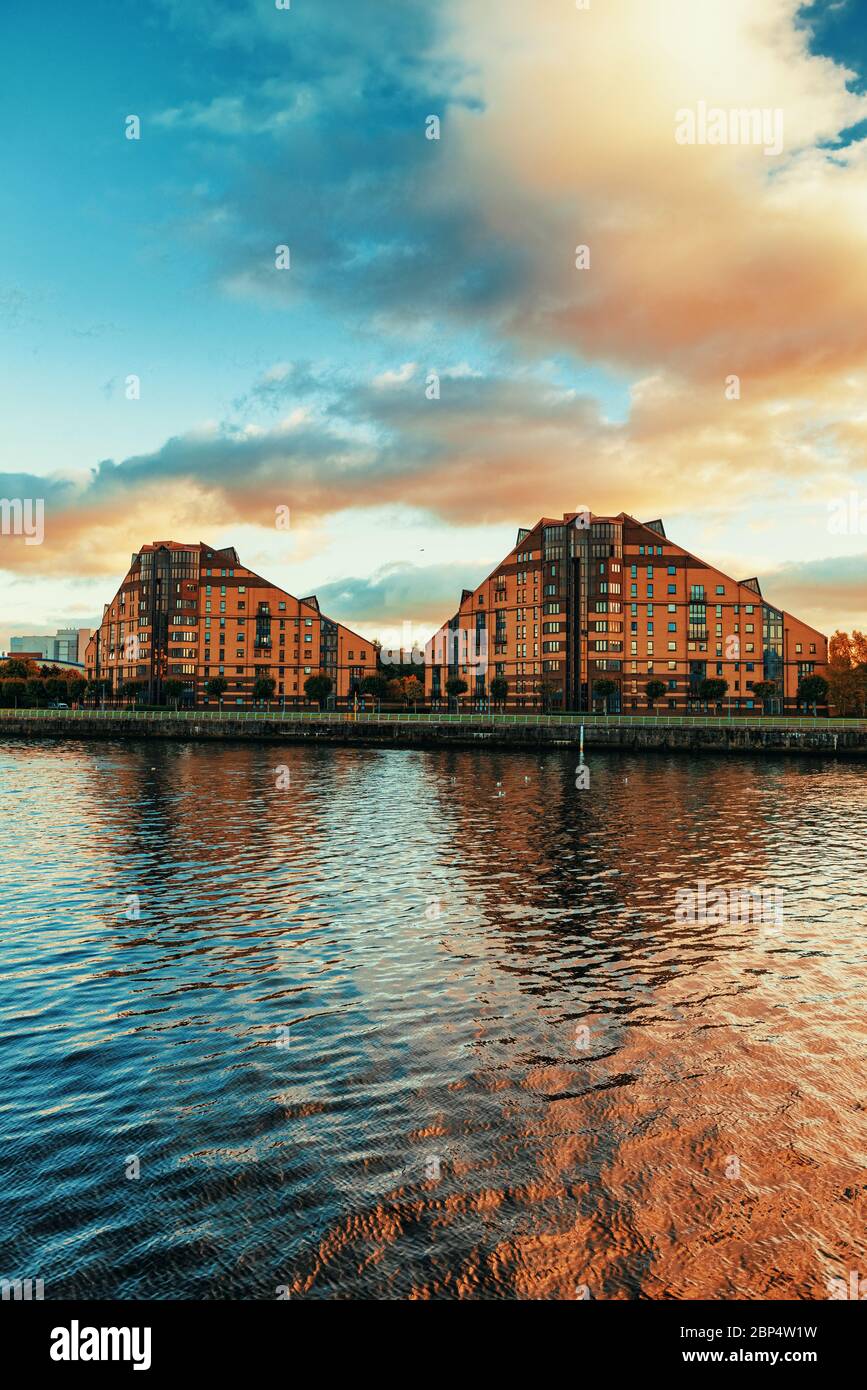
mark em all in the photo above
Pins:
pixel 422 1024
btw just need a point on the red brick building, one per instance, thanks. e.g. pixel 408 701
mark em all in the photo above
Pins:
pixel 192 612
pixel 585 598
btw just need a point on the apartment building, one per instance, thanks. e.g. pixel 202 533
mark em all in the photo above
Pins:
pixel 585 598
pixel 192 612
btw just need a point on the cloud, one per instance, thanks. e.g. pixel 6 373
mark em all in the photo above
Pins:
pixel 397 593
pixel 557 129
pixel 826 593
pixel 497 447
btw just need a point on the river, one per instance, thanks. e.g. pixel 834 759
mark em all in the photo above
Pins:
pixel 319 1022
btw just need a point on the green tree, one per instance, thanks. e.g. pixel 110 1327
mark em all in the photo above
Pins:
pixel 97 690
pixel 130 690
pixel 173 690
pixel 654 690
pixel 603 690
pixel 499 690
pixel 765 691
pixel 813 690
pixel 14 693
pixel 317 689
pixel 216 687
pixel 548 690
pixel 75 689
pixel 35 691
pixel 264 687
pixel 377 686
pixel 455 687
pixel 712 690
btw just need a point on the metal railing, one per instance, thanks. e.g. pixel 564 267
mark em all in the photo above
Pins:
pixel 590 721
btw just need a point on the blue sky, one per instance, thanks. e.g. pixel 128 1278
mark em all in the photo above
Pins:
pixel 258 387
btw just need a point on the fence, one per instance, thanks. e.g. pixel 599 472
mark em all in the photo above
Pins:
pixel 496 720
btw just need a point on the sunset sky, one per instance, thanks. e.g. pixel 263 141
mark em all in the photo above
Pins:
pixel 264 388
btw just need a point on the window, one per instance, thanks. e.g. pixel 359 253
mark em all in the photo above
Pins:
pixel 720 588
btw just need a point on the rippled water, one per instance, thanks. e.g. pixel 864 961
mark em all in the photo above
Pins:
pixel 423 1024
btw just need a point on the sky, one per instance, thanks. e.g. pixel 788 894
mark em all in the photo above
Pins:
pixel 707 366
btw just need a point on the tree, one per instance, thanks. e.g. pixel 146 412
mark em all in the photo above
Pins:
pixel 173 690
pixel 813 690
pixel 17 668
pixel 98 689
pixel 654 690
pixel 413 689
pixel 317 689
pixel 712 690
pixel 377 686
pixel 264 687
pixel 130 690
pixel 395 692
pixel 455 687
pixel 499 690
pixel 765 691
pixel 604 689
pixel 75 689
pixel 548 690
pixel 216 687
pixel 847 672
pixel 12 693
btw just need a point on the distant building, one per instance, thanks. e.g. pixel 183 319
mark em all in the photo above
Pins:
pixel 68 645
pixel 192 613
pixel 586 598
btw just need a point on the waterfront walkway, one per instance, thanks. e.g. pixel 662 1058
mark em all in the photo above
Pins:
pixel 684 733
